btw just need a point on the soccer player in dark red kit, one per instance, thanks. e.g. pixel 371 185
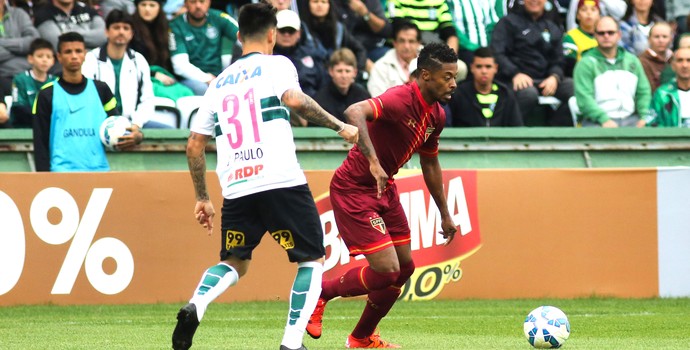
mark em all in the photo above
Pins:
pixel 392 127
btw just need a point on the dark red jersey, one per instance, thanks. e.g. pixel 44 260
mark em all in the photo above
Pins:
pixel 403 124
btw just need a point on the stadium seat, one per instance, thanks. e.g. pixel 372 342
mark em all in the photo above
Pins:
pixel 166 112
pixel 8 102
pixel 574 110
pixel 550 101
pixel 188 106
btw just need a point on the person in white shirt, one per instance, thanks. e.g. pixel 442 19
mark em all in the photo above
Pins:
pixel 393 68
pixel 126 71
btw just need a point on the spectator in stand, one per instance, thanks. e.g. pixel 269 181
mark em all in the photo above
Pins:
pixel 529 51
pixel 66 119
pixel 151 39
pixel 656 60
pixel 305 52
pixel 393 68
pixel 671 101
pixel 26 85
pixel 125 71
pixel 123 5
pixel 551 9
pixel 580 39
pixel 433 18
pixel 196 43
pixel 636 24
pixel 483 101
pixel 612 89
pixel 612 8
pixel 474 22
pixel 341 90
pixel 319 20
pixel 62 16
pixel 16 34
pixel 367 22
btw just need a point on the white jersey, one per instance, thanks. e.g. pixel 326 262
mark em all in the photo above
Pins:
pixel 242 109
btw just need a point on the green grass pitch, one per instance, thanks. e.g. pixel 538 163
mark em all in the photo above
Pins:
pixel 596 323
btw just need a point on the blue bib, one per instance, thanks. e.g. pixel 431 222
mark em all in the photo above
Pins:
pixel 75 122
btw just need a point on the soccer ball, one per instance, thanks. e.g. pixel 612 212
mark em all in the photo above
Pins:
pixel 547 327
pixel 112 129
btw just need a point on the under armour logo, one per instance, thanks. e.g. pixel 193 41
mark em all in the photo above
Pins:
pixel 411 123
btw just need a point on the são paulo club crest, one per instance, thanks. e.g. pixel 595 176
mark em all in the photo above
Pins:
pixel 377 223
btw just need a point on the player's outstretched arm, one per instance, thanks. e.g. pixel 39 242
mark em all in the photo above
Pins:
pixel 308 109
pixel 357 115
pixel 196 160
pixel 433 178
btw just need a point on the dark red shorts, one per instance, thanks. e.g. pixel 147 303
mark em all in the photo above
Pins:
pixel 367 224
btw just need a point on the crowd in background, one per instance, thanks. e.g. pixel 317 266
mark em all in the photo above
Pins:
pixel 602 63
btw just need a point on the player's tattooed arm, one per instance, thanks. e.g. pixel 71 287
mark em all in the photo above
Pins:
pixel 196 160
pixel 308 109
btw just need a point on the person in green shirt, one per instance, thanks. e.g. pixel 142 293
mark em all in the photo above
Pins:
pixel 671 102
pixel 196 43
pixel 27 84
pixel 611 87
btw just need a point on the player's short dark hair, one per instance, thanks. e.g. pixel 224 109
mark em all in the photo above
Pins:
pixel 69 37
pixel 434 55
pixel 118 16
pixel 38 44
pixel 484 52
pixel 256 19
pixel 399 24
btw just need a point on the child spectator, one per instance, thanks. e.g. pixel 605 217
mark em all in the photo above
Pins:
pixel 341 91
pixel 578 40
pixel 482 101
pixel 26 85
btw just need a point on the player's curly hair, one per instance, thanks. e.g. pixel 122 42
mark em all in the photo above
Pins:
pixel 434 55
pixel 255 19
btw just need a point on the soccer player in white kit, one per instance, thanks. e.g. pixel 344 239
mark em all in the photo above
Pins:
pixel 246 109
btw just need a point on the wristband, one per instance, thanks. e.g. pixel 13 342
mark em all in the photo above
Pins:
pixel 342 128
